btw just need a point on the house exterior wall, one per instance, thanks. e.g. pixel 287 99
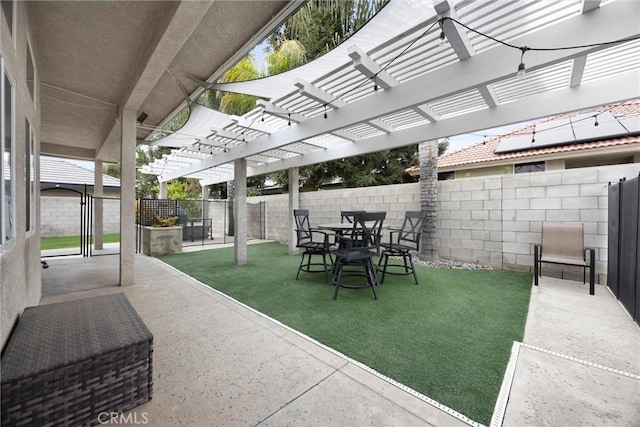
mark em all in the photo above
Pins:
pixel 61 216
pixel 20 269
pixel 492 221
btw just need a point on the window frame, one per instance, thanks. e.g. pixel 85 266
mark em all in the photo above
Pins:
pixel 30 178
pixel 7 234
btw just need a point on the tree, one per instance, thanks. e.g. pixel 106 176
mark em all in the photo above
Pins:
pixel 321 25
pixel 287 55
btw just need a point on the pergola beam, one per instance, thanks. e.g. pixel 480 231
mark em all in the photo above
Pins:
pixel 455 35
pixel 313 92
pixel 370 69
pixel 278 111
pixel 617 21
pixel 600 92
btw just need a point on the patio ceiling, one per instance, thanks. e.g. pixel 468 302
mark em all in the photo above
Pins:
pixel 96 58
pixel 425 90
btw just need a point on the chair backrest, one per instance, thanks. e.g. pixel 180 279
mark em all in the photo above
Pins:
pixel 412 229
pixel 303 228
pixel 348 216
pixel 563 239
pixel 367 229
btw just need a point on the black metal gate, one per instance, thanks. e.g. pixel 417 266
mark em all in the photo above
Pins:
pixel 623 268
pixel 85 216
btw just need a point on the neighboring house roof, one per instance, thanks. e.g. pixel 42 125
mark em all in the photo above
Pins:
pixel 484 152
pixel 61 172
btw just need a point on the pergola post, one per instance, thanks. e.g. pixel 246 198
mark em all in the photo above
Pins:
pixel 240 211
pixel 204 194
pixel 294 203
pixel 98 205
pixel 127 197
pixel 163 190
pixel 428 154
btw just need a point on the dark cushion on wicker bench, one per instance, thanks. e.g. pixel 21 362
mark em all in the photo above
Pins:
pixel 66 363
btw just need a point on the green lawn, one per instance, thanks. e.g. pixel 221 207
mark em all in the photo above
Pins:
pixel 449 337
pixel 72 241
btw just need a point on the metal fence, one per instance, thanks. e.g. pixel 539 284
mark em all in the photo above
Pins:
pixel 204 222
pixel 623 275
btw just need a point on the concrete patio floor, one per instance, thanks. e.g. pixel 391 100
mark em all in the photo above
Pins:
pixel 219 363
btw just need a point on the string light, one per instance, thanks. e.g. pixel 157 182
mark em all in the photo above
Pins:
pixel 596 124
pixel 520 74
pixel 375 82
pixel 443 39
pixel 521 70
pixel 533 135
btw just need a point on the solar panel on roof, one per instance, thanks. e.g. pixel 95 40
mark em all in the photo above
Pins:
pixel 579 129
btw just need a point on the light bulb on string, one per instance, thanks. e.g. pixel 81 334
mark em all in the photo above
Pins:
pixel 596 124
pixel 289 124
pixel 521 69
pixel 375 83
pixel 443 40
pixel 325 111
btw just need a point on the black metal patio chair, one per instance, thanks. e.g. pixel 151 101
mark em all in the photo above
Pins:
pixel 348 216
pixel 357 250
pixel 314 243
pixel 401 243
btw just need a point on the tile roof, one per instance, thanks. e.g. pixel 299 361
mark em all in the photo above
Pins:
pixel 484 152
pixel 61 172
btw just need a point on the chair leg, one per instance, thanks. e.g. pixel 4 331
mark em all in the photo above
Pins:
pixel 372 277
pixel 592 273
pixel 326 270
pixel 384 269
pixel 536 267
pixel 413 268
pixel 337 274
pixel 301 265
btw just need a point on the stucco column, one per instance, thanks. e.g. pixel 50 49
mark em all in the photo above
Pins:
pixel 164 191
pixel 294 203
pixel 240 211
pixel 127 197
pixel 98 206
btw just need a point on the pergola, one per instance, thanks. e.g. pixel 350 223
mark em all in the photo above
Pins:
pixel 397 82
pixel 417 71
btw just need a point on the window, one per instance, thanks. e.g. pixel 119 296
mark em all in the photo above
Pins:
pixel 529 167
pixel 30 177
pixel 31 72
pixel 445 176
pixel 7 181
pixel 7 10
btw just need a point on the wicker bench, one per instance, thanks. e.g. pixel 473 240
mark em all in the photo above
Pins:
pixel 563 243
pixel 67 363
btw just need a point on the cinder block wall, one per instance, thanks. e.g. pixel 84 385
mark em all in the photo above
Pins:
pixel 61 216
pixel 487 220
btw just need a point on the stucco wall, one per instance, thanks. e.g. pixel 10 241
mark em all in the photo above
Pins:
pixel 20 269
pixel 488 220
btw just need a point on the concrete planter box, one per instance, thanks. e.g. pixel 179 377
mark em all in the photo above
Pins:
pixel 161 240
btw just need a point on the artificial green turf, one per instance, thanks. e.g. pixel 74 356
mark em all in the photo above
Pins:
pixel 449 338
pixel 72 241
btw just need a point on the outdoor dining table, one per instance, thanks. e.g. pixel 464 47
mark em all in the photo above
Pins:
pixel 337 227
